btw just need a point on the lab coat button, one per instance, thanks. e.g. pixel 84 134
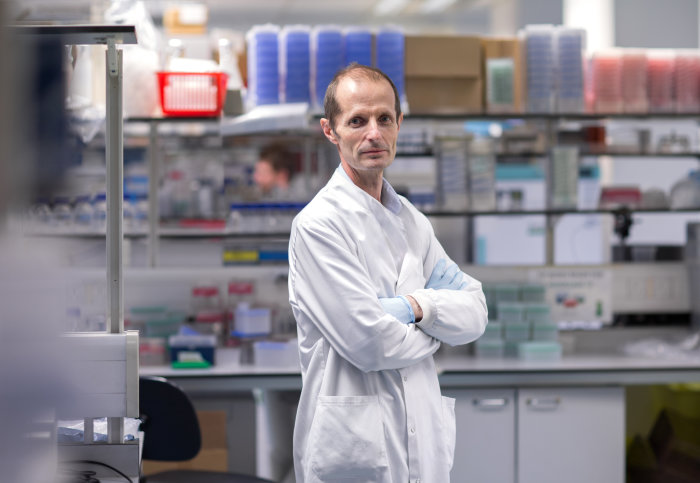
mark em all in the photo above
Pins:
pixel 405 378
pixel 413 430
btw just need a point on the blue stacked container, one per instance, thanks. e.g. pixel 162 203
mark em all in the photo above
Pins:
pixel 327 59
pixel 295 63
pixel 570 75
pixel 358 46
pixel 390 56
pixel 540 65
pixel 263 65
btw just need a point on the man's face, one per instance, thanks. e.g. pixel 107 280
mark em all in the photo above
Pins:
pixel 264 175
pixel 367 128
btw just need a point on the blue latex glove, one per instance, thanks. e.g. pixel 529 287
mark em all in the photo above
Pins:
pixel 399 307
pixel 444 277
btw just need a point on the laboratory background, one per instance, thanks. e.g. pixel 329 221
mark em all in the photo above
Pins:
pixel 146 333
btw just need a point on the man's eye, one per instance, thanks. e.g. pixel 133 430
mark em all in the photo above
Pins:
pixel 386 119
pixel 355 121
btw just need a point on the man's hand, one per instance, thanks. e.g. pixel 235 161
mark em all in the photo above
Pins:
pixel 400 307
pixel 444 277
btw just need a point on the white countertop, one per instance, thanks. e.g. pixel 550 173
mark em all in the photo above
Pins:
pixel 454 371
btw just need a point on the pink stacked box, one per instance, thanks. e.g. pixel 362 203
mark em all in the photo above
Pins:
pixel 660 68
pixel 607 82
pixel 687 81
pixel 634 81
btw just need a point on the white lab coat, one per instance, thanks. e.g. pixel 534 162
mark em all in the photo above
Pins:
pixel 371 408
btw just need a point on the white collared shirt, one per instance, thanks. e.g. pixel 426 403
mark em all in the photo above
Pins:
pixel 371 408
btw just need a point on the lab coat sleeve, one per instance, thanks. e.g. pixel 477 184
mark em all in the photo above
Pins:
pixel 330 289
pixel 452 316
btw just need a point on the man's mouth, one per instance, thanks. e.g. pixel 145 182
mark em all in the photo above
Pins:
pixel 373 151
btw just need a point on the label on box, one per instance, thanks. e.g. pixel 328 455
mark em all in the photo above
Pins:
pixel 578 297
pixel 500 81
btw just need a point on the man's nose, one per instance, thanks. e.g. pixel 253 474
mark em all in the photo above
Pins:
pixel 373 129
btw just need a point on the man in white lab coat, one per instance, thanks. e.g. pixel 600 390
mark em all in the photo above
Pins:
pixel 374 294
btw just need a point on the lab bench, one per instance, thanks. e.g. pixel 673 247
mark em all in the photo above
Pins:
pixel 517 420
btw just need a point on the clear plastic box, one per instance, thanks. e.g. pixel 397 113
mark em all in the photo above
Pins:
pixel 510 312
pixel 537 313
pixel 276 353
pixel 489 348
pixel 494 331
pixel 545 332
pixel 532 292
pixel 539 351
pixel 249 322
pixel 517 332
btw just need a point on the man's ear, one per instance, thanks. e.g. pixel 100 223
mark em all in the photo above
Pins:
pixel 328 131
pixel 399 121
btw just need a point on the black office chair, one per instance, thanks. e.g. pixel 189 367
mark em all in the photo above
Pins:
pixel 171 430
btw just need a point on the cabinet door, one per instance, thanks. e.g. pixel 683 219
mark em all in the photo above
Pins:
pixel 485 448
pixel 573 435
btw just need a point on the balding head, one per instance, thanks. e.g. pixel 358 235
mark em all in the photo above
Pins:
pixel 354 71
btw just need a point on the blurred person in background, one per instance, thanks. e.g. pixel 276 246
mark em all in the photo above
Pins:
pixel 274 174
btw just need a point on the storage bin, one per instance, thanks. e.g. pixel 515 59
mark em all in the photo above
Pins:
pixel 194 350
pixel 192 94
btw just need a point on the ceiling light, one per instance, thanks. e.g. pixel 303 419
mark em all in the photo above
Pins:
pixel 389 7
pixel 436 6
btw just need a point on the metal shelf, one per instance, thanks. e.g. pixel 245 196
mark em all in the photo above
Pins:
pixel 557 212
pixel 551 116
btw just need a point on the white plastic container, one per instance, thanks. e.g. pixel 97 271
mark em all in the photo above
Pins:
pixel 276 353
pixel 248 322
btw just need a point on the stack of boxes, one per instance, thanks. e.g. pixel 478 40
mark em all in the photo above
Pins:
pixel 519 324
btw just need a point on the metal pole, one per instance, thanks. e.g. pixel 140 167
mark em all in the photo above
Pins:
pixel 550 220
pixel 115 197
pixel 153 211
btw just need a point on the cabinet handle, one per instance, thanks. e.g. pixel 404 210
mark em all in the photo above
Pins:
pixel 490 403
pixel 545 403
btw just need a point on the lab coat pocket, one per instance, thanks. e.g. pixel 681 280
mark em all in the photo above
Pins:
pixel 346 440
pixel 449 428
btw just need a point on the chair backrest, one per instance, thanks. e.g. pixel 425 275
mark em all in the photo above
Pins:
pixel 170 422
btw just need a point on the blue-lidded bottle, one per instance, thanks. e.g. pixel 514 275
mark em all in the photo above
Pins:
pixel 327 59
pixel 295 63
pixel 358 46
pixel 263 65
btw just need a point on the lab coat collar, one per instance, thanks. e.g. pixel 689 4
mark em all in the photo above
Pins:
pixel 390 200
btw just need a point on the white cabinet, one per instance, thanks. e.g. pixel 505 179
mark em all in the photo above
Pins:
pixel 485 448
pixel 571 434
pixel 539 435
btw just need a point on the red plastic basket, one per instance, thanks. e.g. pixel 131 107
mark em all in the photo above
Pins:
pixel 192 94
